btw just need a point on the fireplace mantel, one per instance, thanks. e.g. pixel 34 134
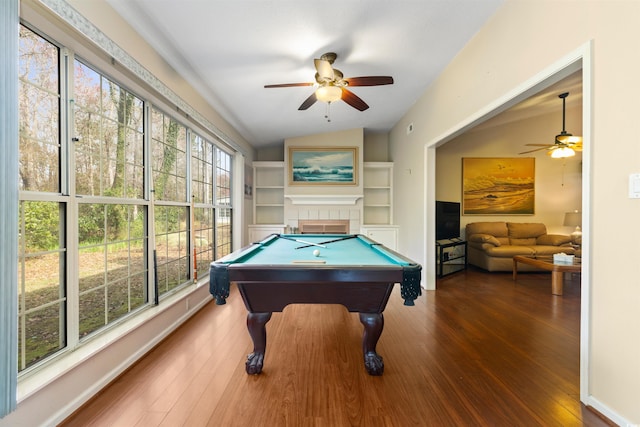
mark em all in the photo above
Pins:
pixel 323 199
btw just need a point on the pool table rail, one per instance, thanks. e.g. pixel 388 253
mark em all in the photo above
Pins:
pixel 235 268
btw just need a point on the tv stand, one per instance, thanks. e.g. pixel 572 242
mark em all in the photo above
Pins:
pixel 451 256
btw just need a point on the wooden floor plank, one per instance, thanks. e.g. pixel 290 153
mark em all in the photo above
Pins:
pixel 481 350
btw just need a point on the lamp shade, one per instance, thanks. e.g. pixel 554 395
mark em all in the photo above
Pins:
pixel 573 219
pixel 328 93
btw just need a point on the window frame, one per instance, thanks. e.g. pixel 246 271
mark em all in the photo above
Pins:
pixel 68 196
pixel 220 225
pixel 62 199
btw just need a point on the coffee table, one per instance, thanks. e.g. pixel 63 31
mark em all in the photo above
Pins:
pixel 557 270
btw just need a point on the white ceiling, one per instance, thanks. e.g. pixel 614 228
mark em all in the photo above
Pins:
pixel 230 49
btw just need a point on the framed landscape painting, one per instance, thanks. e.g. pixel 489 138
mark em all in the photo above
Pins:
pixel 498 186
pixel 323 166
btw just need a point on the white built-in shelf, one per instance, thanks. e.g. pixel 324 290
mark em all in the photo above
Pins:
pixel 378 193
pixel 270 197
pixel 268 206
pixel 323 199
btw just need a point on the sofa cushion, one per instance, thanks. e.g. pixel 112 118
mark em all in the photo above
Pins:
pixel 553 240
pixel 524 230
pixel 503 240
pixel 542 250
pixel 509 251
pixel 484 238
pixel 528 241
pixel 525 233
pixel 494 228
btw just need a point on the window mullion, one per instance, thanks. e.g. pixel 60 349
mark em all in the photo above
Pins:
pixel 191 201
pixel 66 119
pixel 152 288
pixel 68 179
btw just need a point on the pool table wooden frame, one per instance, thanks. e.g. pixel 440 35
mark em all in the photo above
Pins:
pixel 268 288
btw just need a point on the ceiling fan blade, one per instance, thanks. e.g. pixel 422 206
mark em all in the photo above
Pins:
pixel 308 102
pixel 324 69
pixel 353 100
pixel 576 146
pixel 369 81
pixel 537 149
pixel 289 85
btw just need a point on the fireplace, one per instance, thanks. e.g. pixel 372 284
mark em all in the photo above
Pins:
pixel 323 226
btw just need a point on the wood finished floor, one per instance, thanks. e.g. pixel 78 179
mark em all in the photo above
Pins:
pixel 479 351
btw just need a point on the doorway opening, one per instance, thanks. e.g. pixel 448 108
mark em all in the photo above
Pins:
pixel 578 61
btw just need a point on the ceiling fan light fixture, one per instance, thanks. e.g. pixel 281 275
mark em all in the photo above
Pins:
pixel 565 144
pixel 560 153
pixel 328 93
pixel 331 86
pixel 567 138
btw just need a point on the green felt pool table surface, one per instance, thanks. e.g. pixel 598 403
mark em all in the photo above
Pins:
pixel 336 250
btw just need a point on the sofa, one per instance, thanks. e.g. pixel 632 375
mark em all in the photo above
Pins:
pixel 492 245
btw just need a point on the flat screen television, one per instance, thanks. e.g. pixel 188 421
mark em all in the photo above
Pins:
pixel 447 220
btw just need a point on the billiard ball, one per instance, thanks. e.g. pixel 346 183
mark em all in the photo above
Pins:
pixel 316 252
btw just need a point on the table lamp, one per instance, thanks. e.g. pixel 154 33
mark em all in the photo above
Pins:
pixel 574 219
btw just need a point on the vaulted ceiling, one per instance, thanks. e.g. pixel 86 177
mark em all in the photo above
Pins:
pixel 230 49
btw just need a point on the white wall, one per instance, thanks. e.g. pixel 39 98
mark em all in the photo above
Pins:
pixel 375 148
pixel 522 40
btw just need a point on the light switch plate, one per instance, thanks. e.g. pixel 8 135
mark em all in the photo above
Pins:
pixel 634 186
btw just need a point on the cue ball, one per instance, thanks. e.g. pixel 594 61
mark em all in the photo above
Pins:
pixel 316 252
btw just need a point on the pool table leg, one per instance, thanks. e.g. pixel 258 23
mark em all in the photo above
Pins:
pixel 256 323
pixel 373 324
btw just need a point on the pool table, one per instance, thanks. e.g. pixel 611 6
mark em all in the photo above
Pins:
pixel 283 269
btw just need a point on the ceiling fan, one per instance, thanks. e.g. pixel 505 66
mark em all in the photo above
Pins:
pixel 331 85
pixel 565 144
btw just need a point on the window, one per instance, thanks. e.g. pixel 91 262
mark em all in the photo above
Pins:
pixel 169 169
pixel 223 203
pixel 42 302
pixel 109 175
pixel 202 155
pixel 111 263
pixel 41 292
pixel 108 137
pixel 91 152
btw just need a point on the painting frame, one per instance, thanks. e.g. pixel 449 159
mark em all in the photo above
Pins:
pixel 498 185
pixel 323 166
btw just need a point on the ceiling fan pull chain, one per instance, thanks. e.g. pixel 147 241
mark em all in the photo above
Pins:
pixel 328 113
